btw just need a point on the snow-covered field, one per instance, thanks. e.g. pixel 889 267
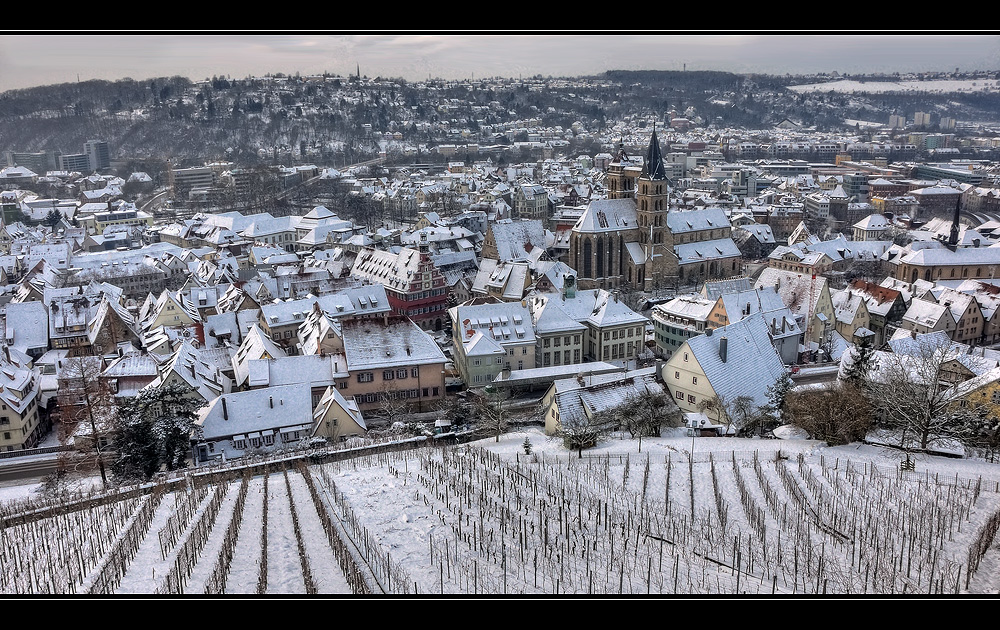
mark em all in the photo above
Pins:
pixel 874 87
pixel 747 516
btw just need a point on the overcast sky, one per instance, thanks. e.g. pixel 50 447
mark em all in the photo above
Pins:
pixel 30 59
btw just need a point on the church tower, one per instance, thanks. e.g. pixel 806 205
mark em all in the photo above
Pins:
pixel 619 181
pixel 651 197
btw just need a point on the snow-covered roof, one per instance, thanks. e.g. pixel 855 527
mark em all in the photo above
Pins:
pixel 703 251
pixel 747 344
pixel 397 341
pixel 272 408
pixel 608 215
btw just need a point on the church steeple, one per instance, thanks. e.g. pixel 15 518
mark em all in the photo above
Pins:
pixel 651 197
pixel 653 169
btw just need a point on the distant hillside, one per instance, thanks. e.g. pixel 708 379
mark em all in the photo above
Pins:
pixel 337 121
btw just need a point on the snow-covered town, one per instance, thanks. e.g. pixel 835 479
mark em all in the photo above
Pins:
pixel 653 355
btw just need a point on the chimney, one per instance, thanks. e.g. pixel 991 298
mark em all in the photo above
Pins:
pixel 723 348
pixel 225 412
pixel 270 401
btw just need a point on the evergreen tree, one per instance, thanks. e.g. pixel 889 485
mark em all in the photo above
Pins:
pixel 859 364
pixel 135 446
pixel 777 393
pixel 53 218
pixel 153 430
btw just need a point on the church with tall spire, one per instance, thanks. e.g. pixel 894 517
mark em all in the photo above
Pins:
pixel 632 239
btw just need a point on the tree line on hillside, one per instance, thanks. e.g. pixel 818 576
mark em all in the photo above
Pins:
pixel 235 119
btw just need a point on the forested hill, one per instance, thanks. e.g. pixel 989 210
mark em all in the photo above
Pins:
pixel 253 119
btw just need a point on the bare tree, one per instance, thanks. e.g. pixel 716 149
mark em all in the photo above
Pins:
pixel 910 394
pixel 838 414
pixel 739 413
pixel 392 407
pixel 86 407
pixel 645 414
pixel 490 411
pixel 585 431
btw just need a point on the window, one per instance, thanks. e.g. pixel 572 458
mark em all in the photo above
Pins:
pixel 387 375
pixel 677 374
pixel 545 343
pixel 691 398
pixel 556 342
pixel 680 395
pixel 401 373
pixel 685 356
pixel 6 435
pixel 499 360
pixel 415 372
pixel 342 385
pixel 366 377
pixel 268 440
pixel 240 444
pixel 477 362
pixel 4 420
pixel 694 380
pixel 524 350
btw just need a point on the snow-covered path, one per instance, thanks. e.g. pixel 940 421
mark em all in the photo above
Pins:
pixel 147 567
pixel 245 567
pixel 210 553
pixel 284 569
pixel 326 571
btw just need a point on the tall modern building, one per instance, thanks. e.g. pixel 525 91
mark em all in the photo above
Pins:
pixel 78 162
pixel 98 153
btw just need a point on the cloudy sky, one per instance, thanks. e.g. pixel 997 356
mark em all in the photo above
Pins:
pixel 39 59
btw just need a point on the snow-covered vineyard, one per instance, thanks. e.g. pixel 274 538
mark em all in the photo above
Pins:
pixel 469 520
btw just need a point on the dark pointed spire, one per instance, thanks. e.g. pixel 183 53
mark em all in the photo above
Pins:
pixel 652 168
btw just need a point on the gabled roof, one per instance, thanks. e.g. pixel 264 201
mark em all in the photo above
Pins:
pixel 272 408
pixel 747 344
pixel 683 221
pixel 256 345
pixel 580 398
pixel 392 342
pixel 608 215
